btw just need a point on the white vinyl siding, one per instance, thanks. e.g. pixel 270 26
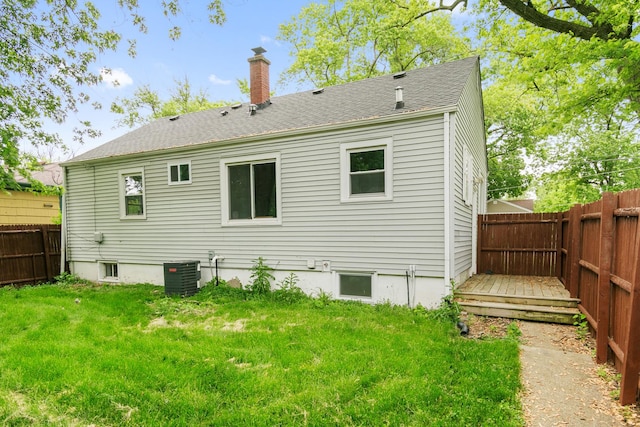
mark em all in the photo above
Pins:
pixel 185 222
pixel 470 173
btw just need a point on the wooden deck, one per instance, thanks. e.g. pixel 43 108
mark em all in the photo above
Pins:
pixel 536 298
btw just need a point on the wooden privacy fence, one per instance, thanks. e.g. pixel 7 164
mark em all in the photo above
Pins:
pixel 600 264
pixel 594 250
pixel 519 244
pixel 29 254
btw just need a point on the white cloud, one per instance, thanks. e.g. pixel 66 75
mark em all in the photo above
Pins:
pixel 115 77
pixel 269 40
pixel 218 81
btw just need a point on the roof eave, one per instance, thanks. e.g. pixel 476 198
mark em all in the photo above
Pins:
pixel 409 115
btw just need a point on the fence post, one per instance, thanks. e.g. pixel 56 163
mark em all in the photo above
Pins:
pixel 47 249
pixel 631 364
pixel 573 258
pixel 479 266
pixel 608 205
pixel 559 245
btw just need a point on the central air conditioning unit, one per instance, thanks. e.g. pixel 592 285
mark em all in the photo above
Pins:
pixel 181 278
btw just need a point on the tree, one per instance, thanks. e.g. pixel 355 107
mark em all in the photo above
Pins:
pixel 47 49
pixel 145 104
pixel 342 41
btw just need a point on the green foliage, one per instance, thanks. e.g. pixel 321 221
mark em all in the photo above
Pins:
pixel 582 326
pixel 261 278
pixel 289 292
pixel 340 41
pixel 323 299
pixel 68 279
pixel 449 310
pixel 145 105
pixel 513 331
pixel 112 359
pixel 48 56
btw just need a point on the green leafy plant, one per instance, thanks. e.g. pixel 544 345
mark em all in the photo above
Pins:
pixel 323 299
pixel 289 292
pixel 582 326
pixel 261 278
pixel 513 331
pixel 68 279
pixel 449 310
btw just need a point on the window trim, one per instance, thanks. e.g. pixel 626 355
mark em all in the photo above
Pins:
pixel 179 163
pixel 371 274
pixel 224 190
pixel 123 207
pixel 345 163
pixel 102 277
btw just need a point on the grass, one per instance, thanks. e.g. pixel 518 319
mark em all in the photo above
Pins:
pixel 128 355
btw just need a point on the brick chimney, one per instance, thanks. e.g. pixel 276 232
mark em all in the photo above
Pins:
pixel 259 76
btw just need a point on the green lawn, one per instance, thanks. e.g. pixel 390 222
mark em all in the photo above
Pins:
pixel 127 355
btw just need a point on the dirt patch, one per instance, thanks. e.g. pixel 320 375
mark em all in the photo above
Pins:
pixel 237 326
pixel 563 386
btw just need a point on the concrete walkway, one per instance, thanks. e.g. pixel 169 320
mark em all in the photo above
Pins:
pixel 561 387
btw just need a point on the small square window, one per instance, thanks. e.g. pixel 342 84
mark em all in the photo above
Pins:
pixel 366 171
pixel 179 173
pixel 355 285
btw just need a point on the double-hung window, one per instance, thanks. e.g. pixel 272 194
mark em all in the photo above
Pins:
pixel 250 189
pixel 179 172
pixel 132 194
pixel 366 170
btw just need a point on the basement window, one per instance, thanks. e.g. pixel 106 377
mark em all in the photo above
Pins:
pixel 355 285
pixel 108 271
pixel 179 172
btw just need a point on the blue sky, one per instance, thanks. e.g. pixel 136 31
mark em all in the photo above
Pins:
pixel 211 57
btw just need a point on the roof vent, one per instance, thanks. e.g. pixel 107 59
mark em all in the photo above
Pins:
pixel 399 98
pixel 317 91
pixel 236 106
pixel 252 109
pixel 224 113
pixel 399 75
pixel 174 118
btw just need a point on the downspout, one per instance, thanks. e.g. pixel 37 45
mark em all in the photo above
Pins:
pixel 447 203
pixel 63 223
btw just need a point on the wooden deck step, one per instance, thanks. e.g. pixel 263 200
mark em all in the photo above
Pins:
pixel 520 299
pixel 536 313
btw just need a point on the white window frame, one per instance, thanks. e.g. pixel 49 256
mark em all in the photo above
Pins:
pixel 467 176
pixel 224 190
pixel 123 207
pixel 178 164
pixel 102 271
pixel 345 171
pixel 374 279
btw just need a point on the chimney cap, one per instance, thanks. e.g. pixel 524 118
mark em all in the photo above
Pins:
pixel 258 50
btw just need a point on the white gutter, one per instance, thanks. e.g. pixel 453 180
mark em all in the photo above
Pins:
pixel 447 202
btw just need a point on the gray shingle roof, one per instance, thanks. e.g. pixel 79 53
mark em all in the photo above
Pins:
pixel 430 88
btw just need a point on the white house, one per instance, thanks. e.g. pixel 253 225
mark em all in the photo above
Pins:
pixel 367 190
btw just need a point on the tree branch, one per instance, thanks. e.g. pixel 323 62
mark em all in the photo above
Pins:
pixel 532 15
